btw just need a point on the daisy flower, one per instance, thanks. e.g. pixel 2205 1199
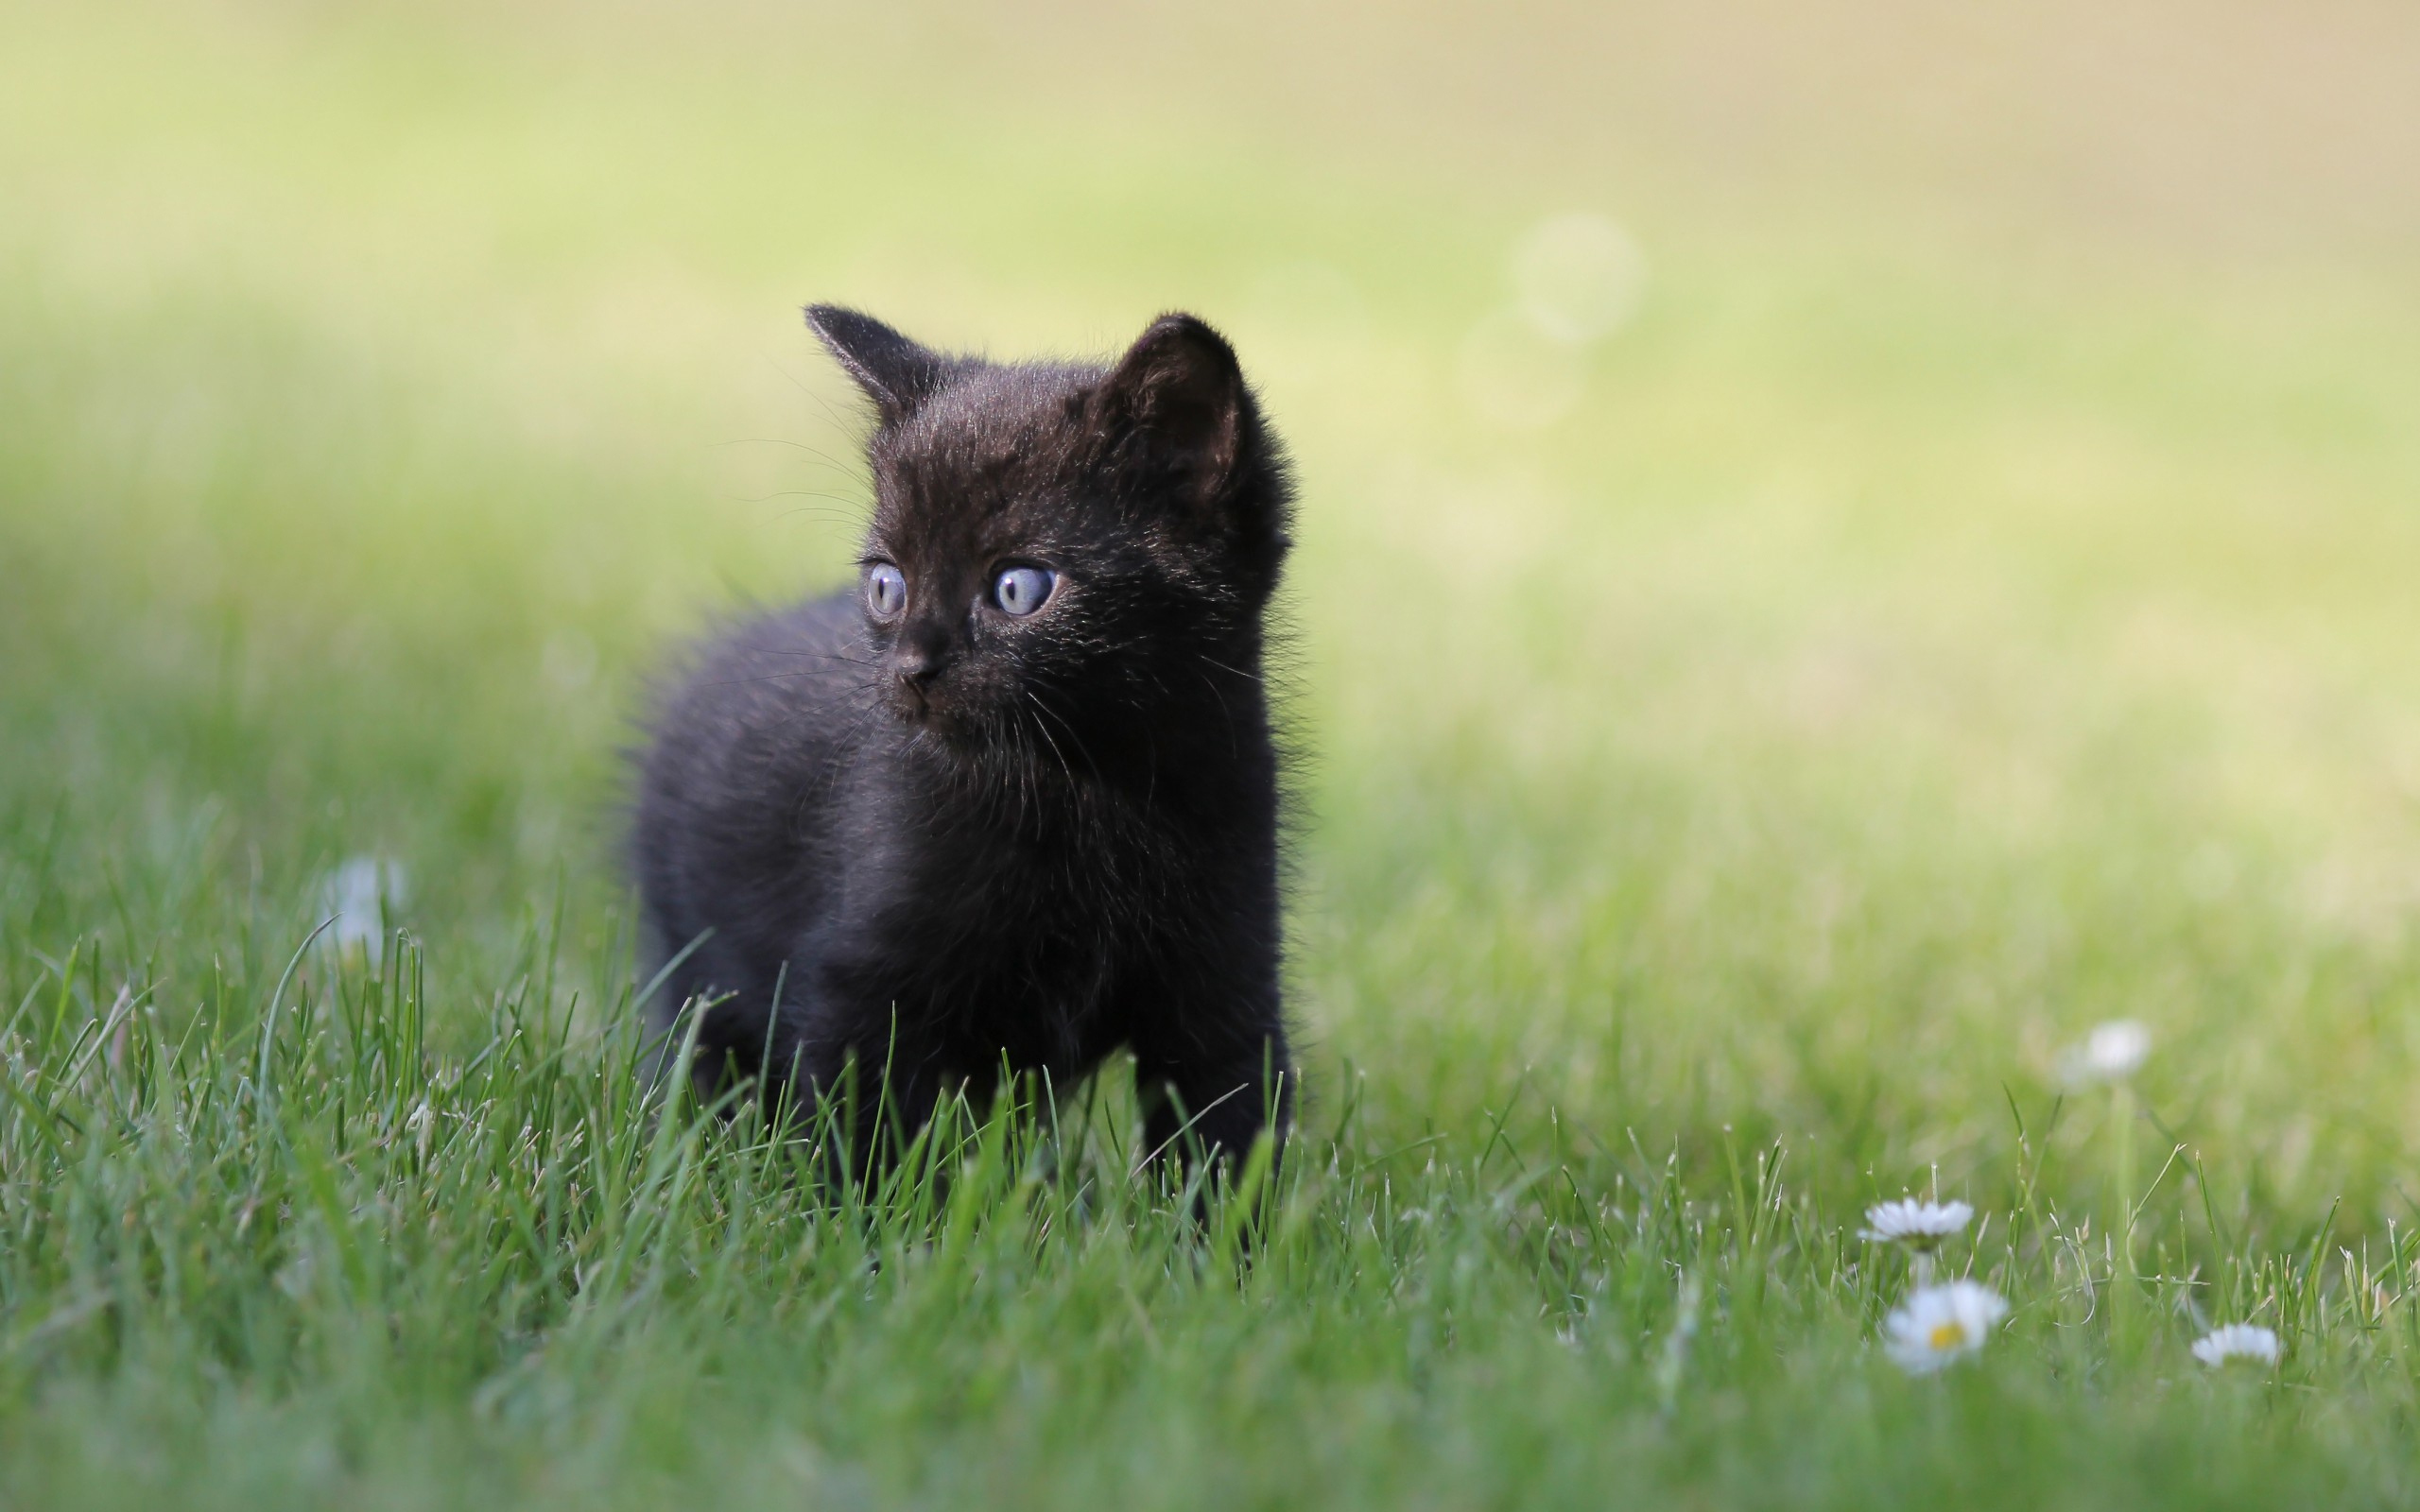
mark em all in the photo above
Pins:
pixel 2112 1052
pixel 2238 1341
pixel 1942 1325
pixel 360 894
pixel 1918 1225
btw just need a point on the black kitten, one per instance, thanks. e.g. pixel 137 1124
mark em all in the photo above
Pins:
pixel 1015 801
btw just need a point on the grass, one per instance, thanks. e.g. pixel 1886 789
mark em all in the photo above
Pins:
pixel 1726 805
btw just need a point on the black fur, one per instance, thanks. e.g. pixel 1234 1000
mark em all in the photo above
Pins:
pixel 956 840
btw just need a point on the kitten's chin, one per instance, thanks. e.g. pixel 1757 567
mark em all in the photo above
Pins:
pixel 913 707
pixel 920 716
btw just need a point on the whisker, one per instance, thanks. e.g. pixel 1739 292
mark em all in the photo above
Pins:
pixel 823 458
pixel 1247 677
pixel 799 493
pixel 1054 745
pixel 1067 725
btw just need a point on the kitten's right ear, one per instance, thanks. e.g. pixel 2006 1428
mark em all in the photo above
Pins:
pixel 896 373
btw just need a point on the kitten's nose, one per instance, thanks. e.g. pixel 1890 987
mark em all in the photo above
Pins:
pixel 919 657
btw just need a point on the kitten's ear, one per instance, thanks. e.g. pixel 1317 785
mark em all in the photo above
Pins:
pixel 1176 404
pixel 896 373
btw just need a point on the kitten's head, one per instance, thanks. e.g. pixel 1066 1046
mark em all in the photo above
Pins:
pixel 1062 553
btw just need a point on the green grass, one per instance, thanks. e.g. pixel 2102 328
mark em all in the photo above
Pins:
pixel 1725 806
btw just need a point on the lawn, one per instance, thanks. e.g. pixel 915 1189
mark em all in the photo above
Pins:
pixel 1744 754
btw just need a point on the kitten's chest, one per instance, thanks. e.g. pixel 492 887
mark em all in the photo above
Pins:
pixel 1025 933
pixel 1086 887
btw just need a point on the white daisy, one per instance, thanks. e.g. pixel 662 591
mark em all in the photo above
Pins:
pixel 2112 1052
pixel 1941 1325
pixel 2238 1341
pixel 360 894
pixel 1920 1225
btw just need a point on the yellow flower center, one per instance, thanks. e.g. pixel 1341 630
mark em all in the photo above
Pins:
pixel 1948 1335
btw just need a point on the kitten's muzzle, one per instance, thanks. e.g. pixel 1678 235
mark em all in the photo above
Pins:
pixel 914 668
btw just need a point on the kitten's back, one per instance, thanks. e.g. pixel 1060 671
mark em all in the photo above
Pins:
pixel 734 793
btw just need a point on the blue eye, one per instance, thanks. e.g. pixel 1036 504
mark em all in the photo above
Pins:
pixel 1020 590
pixel 886 590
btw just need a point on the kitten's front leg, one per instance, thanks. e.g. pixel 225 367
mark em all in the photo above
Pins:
pixel 855 1074
pixel 1211 1075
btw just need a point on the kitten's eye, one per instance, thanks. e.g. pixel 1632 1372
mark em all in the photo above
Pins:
pixel 886 590
pixel 1020 590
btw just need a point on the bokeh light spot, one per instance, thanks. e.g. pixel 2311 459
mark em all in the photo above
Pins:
pixel 1578 278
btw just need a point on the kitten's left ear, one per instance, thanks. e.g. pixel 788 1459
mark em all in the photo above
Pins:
pixel 896 373
pixel 1176 405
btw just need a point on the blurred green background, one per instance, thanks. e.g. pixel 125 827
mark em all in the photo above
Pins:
pixel 1842 544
